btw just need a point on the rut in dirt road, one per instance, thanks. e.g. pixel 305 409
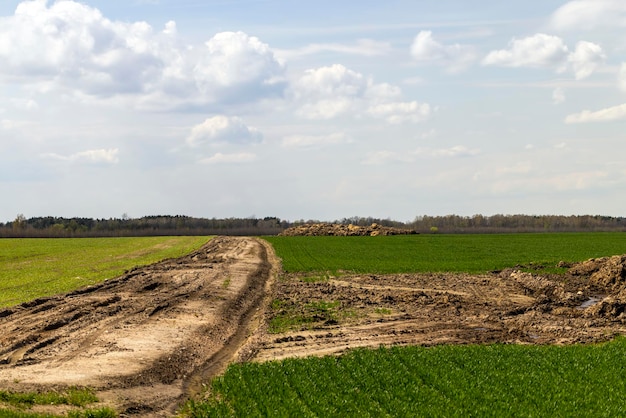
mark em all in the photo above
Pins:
pixel 146 340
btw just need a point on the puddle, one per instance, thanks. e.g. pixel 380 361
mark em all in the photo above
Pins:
pixel 590 302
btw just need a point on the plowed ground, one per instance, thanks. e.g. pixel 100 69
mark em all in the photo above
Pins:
pixel 149 339
pixel 427 309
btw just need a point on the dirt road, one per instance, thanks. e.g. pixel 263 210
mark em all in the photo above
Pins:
pixel 146 340
pixel 149 339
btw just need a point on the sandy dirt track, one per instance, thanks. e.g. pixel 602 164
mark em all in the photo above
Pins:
pixel 146 340
pixel 151 338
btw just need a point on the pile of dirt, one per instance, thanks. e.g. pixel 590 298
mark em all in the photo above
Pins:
pixel 607 275
pixel 340 230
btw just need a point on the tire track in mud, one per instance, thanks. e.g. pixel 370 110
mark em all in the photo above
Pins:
pixel 148 339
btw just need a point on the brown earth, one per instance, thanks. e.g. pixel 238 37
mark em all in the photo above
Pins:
pixel 151 338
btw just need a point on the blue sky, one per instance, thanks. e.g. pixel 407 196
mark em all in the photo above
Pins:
pixel 309 110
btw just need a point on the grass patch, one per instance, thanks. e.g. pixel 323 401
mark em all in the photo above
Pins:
pixel 31 268
pixel 383 311
pixel 87 413
pixel 454 381
pixel 73 396
pixel 472 253
pixel 20 403
pixel 289 316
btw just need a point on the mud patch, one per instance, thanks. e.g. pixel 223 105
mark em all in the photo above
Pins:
pixel 330 316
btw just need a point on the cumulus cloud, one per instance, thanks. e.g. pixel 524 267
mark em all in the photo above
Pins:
pixel 95 156
pixel 537 51
pixel 220 158
pixel 585 59
pixel 604 115
pixel 589 14
pixel 223 129
pixel 306 141
pixel 71 45
pixel 547 51
pixel 234 60
pixel 332 91
pixel 456 57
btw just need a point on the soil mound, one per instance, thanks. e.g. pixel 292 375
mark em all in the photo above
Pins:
pixel 326 229
pixel 607 274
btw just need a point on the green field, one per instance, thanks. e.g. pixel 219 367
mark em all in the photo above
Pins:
pixel 33 268
pixel 450 381
pixel 473 253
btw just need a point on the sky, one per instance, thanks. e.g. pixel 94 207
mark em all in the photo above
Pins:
pixel 312 110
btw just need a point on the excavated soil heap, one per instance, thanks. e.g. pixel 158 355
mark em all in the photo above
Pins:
pixel 325 229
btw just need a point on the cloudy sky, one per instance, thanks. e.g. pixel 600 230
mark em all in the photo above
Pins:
pixel 312 110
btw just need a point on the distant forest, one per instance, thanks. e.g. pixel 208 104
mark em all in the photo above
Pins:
pixel 185 225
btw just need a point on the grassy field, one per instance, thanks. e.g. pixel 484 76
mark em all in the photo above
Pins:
pixel 32 268
pixel 450 381
pixel 473 253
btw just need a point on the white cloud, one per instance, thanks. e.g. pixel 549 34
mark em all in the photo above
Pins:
pixel 220 158
pixel 235 61
pixel 589 14
pixel 72 46
pixel 621 78
pixel 329 92
pixel 547 51
pixel 306 141
pixel 400 112
pixel 535 51
pixel 95 156
pixel 558 96
pixel 223 129
pixel 604 115
pixel 585 59
pixel 425 49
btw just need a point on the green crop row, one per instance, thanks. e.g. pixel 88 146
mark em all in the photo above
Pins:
pixel 451 381
pixel 473 253
pixel 32 268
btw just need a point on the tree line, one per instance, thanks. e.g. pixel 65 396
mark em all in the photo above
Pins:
pixel 51 226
